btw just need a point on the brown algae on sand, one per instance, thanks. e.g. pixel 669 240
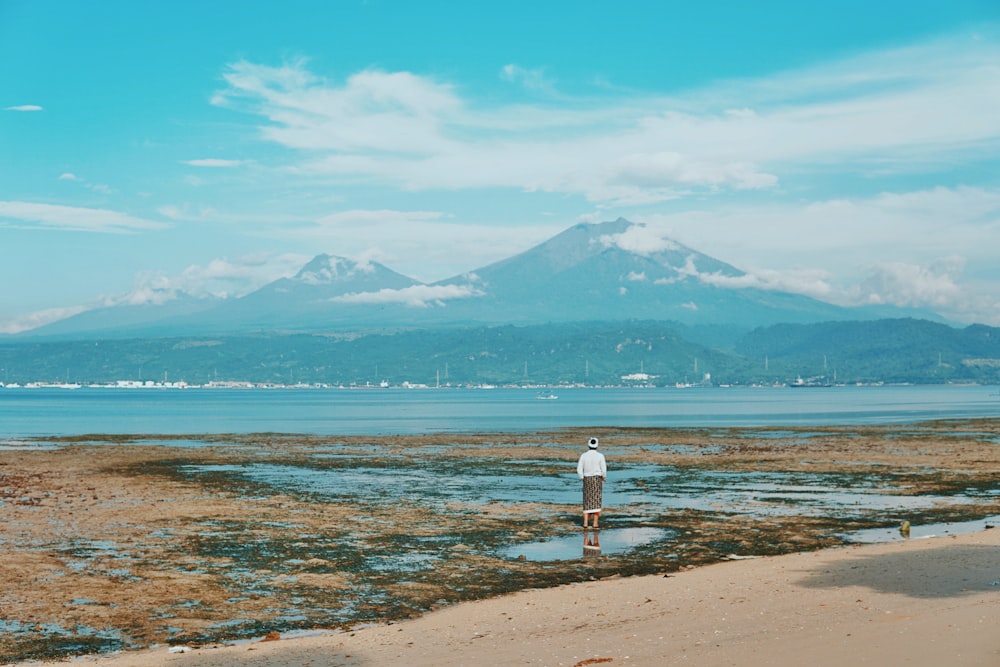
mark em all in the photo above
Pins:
pixel 124 541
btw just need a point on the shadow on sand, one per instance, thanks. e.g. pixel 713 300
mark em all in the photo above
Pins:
pixel 969 569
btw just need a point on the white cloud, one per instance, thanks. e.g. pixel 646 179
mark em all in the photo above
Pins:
pixel 890 111
pixel 670 169
pixel 939 285
pixel 334 269
pixel 25 107
pixel 213 163
pixel 221 278
pixel 37 319
pixel 171 211
pixel 100 188
pixel 227 278
pixel 252 218
pixel 809 282
pixel 150 288
pixel 71 218
pixel 922 225
pixel 905 284
pixel 533 79
pixel 425 245
pixel 396 112
pixel 640 239
pixel 906 249
pixel 416 296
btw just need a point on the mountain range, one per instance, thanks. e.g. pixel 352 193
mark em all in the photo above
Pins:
pixel 597 304
pixel 585 273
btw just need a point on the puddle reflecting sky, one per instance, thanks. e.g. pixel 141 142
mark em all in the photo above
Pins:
pixel 650 487
pixel 589 543
pixel 924 531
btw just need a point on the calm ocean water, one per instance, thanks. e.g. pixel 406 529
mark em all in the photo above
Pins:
pixel 39 412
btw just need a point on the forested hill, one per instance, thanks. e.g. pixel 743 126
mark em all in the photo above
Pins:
pixel 590 353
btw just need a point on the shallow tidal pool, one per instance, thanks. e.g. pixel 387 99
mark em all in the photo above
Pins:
pixel 588 544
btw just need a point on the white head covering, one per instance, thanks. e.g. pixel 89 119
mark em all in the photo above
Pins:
pixel 592 443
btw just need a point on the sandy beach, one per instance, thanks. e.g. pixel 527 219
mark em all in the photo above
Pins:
pixel 923 602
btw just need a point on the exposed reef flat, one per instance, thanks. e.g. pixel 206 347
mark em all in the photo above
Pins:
pixel 121 542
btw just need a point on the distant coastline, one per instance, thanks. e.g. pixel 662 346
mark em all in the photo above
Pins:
pixel 237 384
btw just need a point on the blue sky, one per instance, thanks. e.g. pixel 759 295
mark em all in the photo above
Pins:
pixel 845 150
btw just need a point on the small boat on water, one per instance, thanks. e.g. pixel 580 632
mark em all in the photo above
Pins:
pixel 811 382
pixel 546 396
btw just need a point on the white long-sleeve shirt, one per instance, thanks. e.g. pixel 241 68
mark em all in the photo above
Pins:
pixel 592 463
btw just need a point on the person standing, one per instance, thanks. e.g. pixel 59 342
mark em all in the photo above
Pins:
pixel 593 470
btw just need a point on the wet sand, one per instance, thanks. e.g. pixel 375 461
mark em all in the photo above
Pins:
pixel 116 543
pixel 925 603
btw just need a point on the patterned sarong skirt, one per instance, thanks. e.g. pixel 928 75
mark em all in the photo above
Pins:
pixel 592 487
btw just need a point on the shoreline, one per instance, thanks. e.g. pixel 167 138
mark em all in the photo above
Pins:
pixel 924 602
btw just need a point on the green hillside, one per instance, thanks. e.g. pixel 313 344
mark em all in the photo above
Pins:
pixel 593 353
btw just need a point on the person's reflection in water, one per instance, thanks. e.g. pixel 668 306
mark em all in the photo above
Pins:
pixel 591 544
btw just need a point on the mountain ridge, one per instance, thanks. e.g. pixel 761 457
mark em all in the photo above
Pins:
pixel 603 271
